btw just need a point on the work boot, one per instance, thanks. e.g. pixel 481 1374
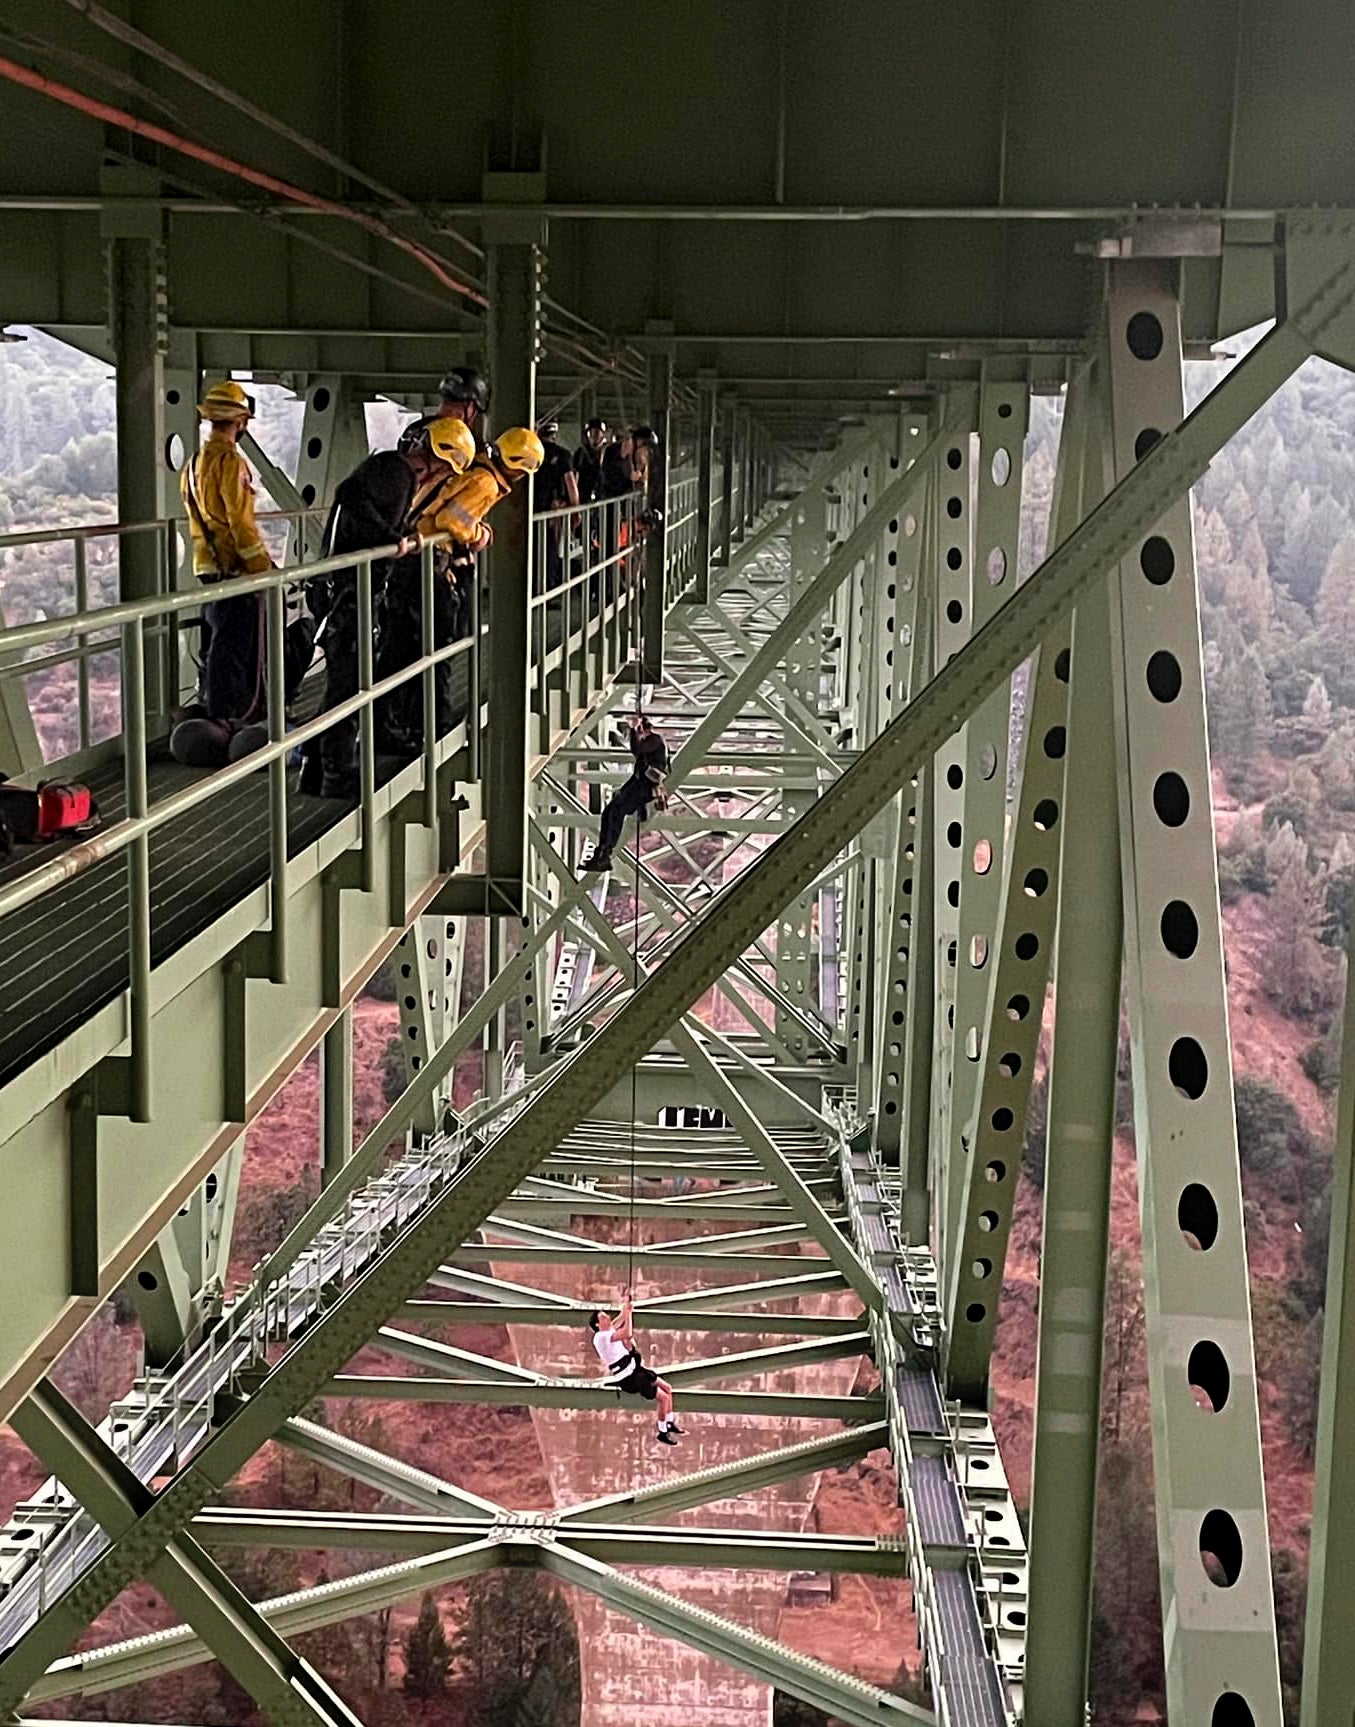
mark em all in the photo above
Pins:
pixel 598 862
pixel 674 1428
pixel 201 743
pixel 246 740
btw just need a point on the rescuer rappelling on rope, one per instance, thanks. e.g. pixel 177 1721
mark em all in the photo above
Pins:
pixel 635 795
pixel 614 1340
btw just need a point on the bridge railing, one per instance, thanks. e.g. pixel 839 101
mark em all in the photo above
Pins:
pixel 53 572
pixel 683 510
pixel 601 638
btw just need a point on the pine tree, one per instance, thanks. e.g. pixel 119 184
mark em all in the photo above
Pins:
pixel 1240 713
pixel 1334 609
pixel 1317 704
pixel 519 1653
pixel 427 1652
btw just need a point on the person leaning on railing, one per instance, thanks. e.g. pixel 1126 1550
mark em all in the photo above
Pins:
pixel 217 487
pixel 555 488
pixel 372 507
pixel 457 507
pixel 588 461
pixel 625 471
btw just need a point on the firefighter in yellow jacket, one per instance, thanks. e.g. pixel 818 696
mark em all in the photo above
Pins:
pixel 456 507
pixel 217 487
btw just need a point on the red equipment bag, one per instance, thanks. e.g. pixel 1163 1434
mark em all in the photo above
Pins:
pixel 53 808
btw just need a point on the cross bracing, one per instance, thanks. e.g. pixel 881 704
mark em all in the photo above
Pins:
pixel 827 969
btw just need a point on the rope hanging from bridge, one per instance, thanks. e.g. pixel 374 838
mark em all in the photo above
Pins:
pixel 635 954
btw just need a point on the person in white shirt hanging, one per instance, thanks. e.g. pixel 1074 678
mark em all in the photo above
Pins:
pixel 617 1350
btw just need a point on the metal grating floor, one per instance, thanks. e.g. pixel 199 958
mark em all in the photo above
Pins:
pixel 972 1689
pixel 940 1517
pixel 920 1400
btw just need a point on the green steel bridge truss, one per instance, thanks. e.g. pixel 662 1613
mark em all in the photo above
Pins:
pixel 880 902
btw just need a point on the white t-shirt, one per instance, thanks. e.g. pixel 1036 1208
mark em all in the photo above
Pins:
pixel 610 1348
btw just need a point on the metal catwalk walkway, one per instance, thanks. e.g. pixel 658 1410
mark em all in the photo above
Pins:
pixel 67 955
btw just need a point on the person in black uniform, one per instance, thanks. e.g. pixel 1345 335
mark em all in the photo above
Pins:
pixel 634 796
pixel 464 395
pixel 625 463
pixel 554 488
pixel 624 471
pixel 372 507
pixel 588 461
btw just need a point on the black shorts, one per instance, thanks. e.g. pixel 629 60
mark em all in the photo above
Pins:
pixel 641 1381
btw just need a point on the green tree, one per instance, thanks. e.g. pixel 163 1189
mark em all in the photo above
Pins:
pixel 1290 1575
pixel 1240 714
pixel 1297 972
pixel 428 1655
pixel 1301 1372
pixel 1334 608
pixel 518 1654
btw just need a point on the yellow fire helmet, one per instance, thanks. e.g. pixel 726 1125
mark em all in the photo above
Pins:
pixel 452 441
pixel 226 401
pixel 519 450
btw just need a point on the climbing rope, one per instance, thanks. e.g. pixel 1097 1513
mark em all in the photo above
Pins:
pixel 639 634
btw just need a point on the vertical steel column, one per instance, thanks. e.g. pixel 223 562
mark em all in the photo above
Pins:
pixel 919 1006
pixel 745 470
pixel 795 970
pixel 138 316
pixel 1213 1540
pixel 653 594
pixel 139 1021
pixel 867 684
pixel 516 267
pixel 139 328
pixel 1003 414
pixel 423 967
pixel 179 411
pixel 705 484
pixel 728 447
pixel 494 1033
pixel 318 465
pixel 901 548
pixel 952 557
pixel 1077 1180
pixel 1019 968
pixel 538 966
pixel 336 1097
pixel 1328 1672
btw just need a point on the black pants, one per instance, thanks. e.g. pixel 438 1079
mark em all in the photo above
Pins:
pixel 555 560
pixel 631 799
pixel 232 674
pixel 338 746
pixel 400 642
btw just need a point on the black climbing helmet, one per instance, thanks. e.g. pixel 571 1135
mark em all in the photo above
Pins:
pixel 645 435
pixel 465 384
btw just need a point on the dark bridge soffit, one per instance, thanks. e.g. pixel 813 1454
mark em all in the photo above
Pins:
pixel 1019 104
